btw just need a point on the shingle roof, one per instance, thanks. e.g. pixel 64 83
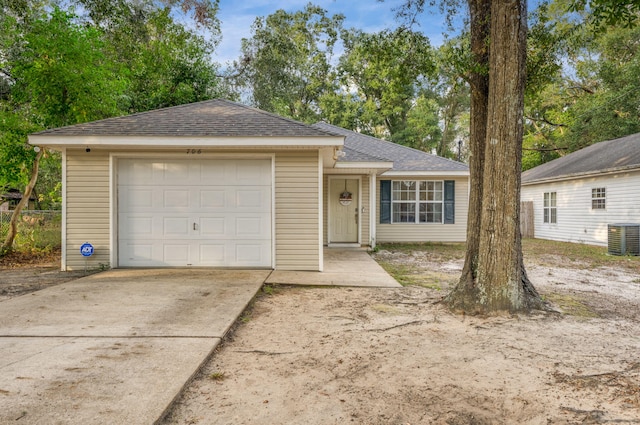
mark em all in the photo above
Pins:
pixel 211 118
pixel 404 158
pixel 611 155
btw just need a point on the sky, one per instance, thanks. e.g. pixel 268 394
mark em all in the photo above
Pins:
pixel 237 16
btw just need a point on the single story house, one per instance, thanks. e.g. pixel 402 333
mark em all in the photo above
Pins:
pixel 575 197
pixel 220 184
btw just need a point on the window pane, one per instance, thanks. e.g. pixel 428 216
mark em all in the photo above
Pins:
pixel 404 212
pixel 430 213
pixel 404 190
pixel 598 198
pixel 431 191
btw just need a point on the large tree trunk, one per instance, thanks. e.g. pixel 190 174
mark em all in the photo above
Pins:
pixel 480 13
pixel 7 246
pixel 496 280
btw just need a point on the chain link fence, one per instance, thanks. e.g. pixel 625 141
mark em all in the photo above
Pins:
pixel 37 229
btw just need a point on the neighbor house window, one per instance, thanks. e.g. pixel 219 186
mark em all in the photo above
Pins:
pixel 418 201
pixel 598 198
pixel 550 211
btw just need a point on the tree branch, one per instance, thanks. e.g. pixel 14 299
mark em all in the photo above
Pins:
pixel 544 149
pixel 546 121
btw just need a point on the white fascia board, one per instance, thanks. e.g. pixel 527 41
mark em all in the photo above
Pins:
pixel 182 142
pixel 380 165
pixel 579 176
pixel 424 173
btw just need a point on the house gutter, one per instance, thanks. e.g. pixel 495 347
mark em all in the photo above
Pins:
pixel 575 176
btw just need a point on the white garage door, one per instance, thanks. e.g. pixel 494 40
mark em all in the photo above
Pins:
pixel 201 212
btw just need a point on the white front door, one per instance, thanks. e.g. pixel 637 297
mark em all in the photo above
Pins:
pixel 344 210
pixel 200 212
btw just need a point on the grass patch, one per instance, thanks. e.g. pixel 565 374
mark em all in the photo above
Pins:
pixel 400 272
pixel 408 275
pixel 577 255
pixel 217 376
pixel 571 305
pixel 441 251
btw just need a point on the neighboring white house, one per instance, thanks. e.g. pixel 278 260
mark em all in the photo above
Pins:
pixel 575 197
pixel 219 184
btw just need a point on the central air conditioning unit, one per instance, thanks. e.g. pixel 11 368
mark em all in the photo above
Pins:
pixel 624 239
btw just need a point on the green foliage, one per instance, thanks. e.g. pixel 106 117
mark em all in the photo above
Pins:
pixel 286 62
pixel 594 96
pixel 609 12
pixel 63 73
pixel 172 67
pixel 37 233
pixel 385 70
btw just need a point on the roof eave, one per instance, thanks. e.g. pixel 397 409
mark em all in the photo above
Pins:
pixel 183 141
pixel 425 173
pixel 575 176
pixel 357 164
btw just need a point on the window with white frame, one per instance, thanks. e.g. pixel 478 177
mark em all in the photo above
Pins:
pixel 550 214
pixel 417 201
pixel 598 198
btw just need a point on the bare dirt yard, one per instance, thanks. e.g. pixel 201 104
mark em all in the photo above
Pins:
pixel 307 355
pixel 24 273
pixel 397 356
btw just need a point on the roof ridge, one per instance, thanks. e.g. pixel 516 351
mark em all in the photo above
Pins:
pixel 182 106
pixel 135 114
pixel 392 143
pixel 271 114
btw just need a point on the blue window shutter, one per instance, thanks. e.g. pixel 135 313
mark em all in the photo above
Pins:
pixel 449 201
pixel 385 201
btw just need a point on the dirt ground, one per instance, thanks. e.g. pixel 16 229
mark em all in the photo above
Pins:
pixel 397 356
pixel 24 273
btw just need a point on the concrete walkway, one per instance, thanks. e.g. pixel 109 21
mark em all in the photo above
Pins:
pixel 116 347
pixel 342 267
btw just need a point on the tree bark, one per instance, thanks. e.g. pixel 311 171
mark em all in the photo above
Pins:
pixel 494 278
pixel 480 14
pixel 7 246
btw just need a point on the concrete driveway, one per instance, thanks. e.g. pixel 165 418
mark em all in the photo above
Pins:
pixel 115 347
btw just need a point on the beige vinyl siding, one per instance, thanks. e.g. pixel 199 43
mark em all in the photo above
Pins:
pixel 576 220
pixel 297 210
pixel 87 208
pixel 428 232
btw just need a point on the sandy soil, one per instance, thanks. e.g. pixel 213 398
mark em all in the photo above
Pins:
pixel 396 356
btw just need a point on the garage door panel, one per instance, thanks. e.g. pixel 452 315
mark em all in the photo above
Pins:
pixel 176 226
pixel 248 253
pixel 212 199
pixel 195 212
pixel 138 226
pixel 176 254
pixel 256 172
pixel 131 197
pixel 213 227
pixel 175 199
